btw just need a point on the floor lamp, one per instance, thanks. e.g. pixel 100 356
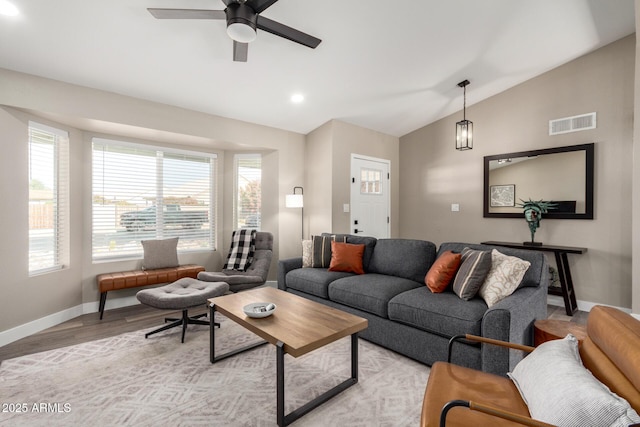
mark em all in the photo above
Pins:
pixel 296 200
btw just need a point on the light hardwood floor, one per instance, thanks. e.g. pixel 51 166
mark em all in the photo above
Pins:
pixel 89 327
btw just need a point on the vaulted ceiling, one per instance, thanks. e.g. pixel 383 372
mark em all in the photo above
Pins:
pixel 387 66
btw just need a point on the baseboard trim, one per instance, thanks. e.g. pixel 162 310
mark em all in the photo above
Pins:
pixel 584 305
pixel 30 328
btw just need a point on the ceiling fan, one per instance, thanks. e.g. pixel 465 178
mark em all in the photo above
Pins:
pixel 243 18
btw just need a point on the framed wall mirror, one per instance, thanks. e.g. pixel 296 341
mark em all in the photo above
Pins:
pixel 563 175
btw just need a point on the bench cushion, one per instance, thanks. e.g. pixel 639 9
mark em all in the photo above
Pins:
pixel 136 278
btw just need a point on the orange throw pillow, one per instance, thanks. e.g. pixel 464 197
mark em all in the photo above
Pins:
pixel 442 271
pixel 346 257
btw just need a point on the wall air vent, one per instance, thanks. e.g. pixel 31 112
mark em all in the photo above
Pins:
pixel 572 124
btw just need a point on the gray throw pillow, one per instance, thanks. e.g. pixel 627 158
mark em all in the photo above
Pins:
pixel 474 266
pixel 321 252
pixel 160 253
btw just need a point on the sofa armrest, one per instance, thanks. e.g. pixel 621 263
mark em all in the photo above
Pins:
pixel 285 266
pixel 476 338
pixel 511 320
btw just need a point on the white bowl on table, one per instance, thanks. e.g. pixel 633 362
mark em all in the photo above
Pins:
pixel 259 309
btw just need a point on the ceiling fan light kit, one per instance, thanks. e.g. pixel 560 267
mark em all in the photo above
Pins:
pixel 243 20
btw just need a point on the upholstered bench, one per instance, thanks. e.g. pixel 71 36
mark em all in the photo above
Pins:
pixel 137 278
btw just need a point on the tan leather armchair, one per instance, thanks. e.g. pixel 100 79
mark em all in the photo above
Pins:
pixel 458 396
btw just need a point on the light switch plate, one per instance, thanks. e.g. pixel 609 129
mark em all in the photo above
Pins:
pixel 455 207
pixel 345 207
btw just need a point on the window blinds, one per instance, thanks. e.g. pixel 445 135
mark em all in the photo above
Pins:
pixel 48 198
pixel 143 192
pixel 248 191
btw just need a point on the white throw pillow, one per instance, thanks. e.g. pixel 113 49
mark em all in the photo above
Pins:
pixel 503 278
pixel 307 253
pixel 559 390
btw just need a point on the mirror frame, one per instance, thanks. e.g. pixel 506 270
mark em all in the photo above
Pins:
pixel 589 150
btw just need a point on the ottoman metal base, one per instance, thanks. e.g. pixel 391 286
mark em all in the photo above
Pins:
pixel 184 321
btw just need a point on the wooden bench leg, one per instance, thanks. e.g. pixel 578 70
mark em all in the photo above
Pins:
pixel 103 300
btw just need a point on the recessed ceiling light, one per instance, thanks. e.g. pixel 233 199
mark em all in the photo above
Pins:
pixel 297 98
pixel 7 8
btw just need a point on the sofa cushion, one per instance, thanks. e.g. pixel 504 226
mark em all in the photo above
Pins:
pixel 369 245
pixel 313 281
pixel 321 250
pixel 442 271
pixel 160 253
pixel 474 266
pixel 406 258
pixel 537 270
pixel 503 278
pixel 443 313
pixel 346 257
pixel 307 253
pixel 369 292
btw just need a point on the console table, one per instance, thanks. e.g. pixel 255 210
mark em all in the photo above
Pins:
pixel 562 263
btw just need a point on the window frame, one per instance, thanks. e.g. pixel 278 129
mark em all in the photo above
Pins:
pixel 160 232
pixel 237 159
pixel 59 163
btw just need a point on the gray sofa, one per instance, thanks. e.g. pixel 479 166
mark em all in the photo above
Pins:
pixel 405 316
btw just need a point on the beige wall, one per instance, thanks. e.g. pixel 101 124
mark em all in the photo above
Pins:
pixel 434 175
pixel 328 177
pixel 318 183
pixel 86 113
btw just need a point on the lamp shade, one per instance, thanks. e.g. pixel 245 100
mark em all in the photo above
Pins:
pixel 464 135
pixel 294 200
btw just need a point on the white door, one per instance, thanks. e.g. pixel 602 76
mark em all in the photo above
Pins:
pixel 370 196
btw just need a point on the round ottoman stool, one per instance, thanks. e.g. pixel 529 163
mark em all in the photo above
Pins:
pixel 181 295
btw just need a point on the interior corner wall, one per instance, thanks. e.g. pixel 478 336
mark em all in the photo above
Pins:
pixel 318 182
pixel 328 169
pixel 434 175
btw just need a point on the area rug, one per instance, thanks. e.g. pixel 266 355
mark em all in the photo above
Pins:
pixel 128 380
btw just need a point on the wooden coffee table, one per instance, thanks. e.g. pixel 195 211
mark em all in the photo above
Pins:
pixel 297 327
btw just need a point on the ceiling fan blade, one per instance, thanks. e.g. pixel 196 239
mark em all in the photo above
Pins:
pixel 288 33
pixel 260 5
pixel 240 51
pixel 187 13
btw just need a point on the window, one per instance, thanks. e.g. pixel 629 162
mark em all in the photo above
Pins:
pixel 248 191
pixel 142 192
pixel 370 181
pixel 48 198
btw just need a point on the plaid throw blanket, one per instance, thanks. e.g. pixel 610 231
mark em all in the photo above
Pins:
pixel 243 246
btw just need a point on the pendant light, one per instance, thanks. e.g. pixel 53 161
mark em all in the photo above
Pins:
pixel 464 128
